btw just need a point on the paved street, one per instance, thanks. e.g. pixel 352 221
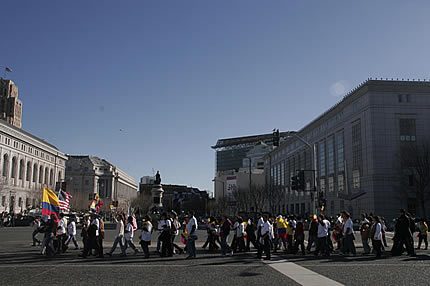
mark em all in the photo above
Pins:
pixel 21 264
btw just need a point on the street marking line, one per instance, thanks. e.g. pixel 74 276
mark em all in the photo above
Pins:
pixel 366 264
pixel 301 274
pixel 124 265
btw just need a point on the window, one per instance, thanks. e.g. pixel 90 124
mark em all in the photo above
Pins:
pixel 330 154
pixel 330 184
pixel 40 175
pixel 340 183
pixel 339 147
pixel 14 163
pixel 28 177
pixel 51 177
pixel 5 165
pixel 34 173
pixel 356 145
pixel 322 158
pixel 356 179
pixel 19 202
pixel 87 182
pixel 407 129
pixel 408 98
pixel 400 98
pixel 3 201
pixel 21 169
pixel 322 185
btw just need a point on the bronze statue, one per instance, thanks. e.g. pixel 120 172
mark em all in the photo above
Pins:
pixel 157 178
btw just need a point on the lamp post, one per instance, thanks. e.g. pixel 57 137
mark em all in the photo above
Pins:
pixel 314 163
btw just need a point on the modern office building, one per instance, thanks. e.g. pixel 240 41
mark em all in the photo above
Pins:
pixel 89 175
pixel 27 164
pixel 358 142
pixel 10 105
pixel 237 157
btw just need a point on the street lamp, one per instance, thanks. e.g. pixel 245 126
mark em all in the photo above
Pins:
pixel 314 163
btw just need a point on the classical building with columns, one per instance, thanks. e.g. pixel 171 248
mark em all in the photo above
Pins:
pixel 89 175
pixel 27 163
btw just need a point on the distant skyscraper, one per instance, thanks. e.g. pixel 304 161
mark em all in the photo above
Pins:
pixel 10 105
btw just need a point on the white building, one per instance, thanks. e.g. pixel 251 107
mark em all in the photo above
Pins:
pixel 88 175
pixel 27 163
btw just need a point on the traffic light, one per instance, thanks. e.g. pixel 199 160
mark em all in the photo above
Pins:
pixel 295 183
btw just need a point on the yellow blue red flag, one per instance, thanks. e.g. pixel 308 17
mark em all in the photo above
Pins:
pixel 50 203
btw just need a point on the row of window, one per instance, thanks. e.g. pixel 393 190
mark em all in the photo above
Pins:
pixel 23 147
pixel 33 173
pixel 27 205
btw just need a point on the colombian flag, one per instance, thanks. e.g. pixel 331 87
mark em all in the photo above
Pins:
pixel 50 203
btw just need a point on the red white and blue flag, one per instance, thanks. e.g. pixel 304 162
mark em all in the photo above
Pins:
pixel 64 200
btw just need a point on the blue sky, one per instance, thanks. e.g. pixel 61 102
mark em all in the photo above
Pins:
pixel 153 84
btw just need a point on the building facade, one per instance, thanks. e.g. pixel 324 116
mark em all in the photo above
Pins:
pixel 237 158
pixel 357 142
pixel 10 105
pixel 89 175
pixel 27 164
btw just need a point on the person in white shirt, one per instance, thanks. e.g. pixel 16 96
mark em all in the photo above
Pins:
pixel 119 238
pixel 128 235
pixel 61 234
pixel 348 234
pixel 377 236
pixel 322 236
pixel 192 235
pixel 265 235
pixel 71 229
pixel 240 235
pixel 146 235
pixel 160 228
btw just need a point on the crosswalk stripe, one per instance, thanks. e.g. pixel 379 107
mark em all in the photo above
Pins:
pixel 301 274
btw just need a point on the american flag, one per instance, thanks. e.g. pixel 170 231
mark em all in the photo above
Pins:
pixel 64 200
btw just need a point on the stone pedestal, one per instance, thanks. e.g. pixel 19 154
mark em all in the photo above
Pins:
pixel 157 197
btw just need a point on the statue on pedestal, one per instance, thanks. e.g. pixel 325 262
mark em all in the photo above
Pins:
pixel 157 178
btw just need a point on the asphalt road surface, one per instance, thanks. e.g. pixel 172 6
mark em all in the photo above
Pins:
pixel 21 264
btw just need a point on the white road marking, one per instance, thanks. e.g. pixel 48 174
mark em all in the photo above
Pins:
pixel 301 274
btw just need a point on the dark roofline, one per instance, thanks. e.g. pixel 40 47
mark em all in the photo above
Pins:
pixel 28 134
pixel 245 140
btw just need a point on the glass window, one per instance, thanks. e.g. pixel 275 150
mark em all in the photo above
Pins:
pixel 322 158
pixel 330 184
pixel 356 179
pixel 330 154
pixel 339 147
pixel 340 183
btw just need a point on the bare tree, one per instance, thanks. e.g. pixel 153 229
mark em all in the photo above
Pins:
pixel 415 159
pixel 258 197
pixel 143 203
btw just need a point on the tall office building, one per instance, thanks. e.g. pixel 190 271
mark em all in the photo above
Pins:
pixel 10 105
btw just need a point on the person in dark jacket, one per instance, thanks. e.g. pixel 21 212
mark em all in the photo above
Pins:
pixel 403 235
pixel 250 235
pixel 226 225
pixel 299 236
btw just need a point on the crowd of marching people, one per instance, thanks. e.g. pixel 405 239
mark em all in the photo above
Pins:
pixel 266 233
